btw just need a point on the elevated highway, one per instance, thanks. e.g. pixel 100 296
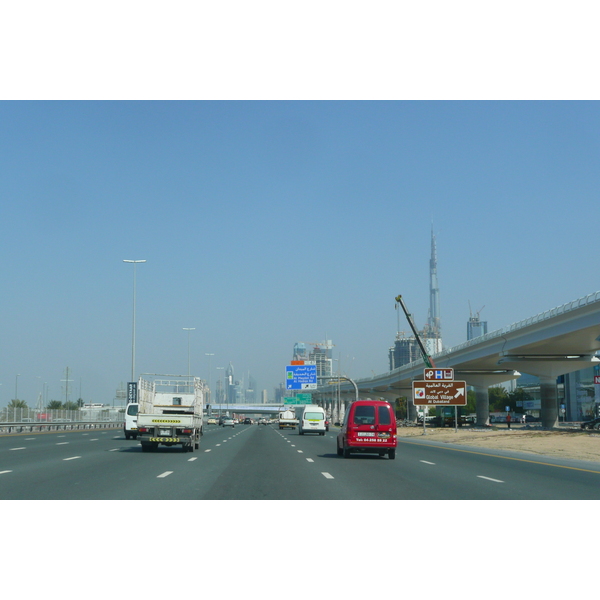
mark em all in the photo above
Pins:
pixel 556 342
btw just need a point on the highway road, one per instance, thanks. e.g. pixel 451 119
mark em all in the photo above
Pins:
pixel 257 462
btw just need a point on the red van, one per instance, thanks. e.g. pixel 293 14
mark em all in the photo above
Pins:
pixel 369 426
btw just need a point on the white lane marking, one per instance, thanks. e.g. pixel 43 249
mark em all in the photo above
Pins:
pixel 490 479
pixel 94 440
pixel 427 462
pixel 310 460
pixel 115 450
pixel 207 450
pixel 2 472
pixel 72 458
pixel 85 434
pixel 192 459
pixel 301 451
pixel 328 476
pixel 17 448
pixel 165 474
pixel 61 443
pixel 61 436
pixel 29 439
pixel 218 444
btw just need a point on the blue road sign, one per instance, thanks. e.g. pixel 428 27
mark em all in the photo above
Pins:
pixel 301 377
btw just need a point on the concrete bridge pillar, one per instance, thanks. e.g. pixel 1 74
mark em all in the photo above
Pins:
pixel 482 406
pixel 549 402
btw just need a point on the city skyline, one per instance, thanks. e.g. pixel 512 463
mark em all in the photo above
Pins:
pixel 264 223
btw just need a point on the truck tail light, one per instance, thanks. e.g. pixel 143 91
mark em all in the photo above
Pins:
pixel 143 430
pixel 186 431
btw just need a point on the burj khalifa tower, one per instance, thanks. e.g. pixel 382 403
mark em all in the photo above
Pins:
pixel 433 329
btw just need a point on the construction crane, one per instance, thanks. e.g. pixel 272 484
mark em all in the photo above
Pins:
pixel 428 360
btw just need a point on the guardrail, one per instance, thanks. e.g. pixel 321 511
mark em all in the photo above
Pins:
pixel 20 427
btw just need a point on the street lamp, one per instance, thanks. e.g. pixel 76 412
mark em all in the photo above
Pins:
pixel 221 398
pixel 210 355
pixel 134 262
pixel 188 329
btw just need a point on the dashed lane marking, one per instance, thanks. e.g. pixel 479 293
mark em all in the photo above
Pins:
pixel 427 462
pixel 2 472
pixel 310 460
pixel 490 479
pixel 328 476
pixel 165 474
pixel 17 448
pixel 61 443
pixel 72 458
pixel 207 450
pixel 192 459
pixel 301 451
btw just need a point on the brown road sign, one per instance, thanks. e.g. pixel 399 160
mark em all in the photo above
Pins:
pixel 440 393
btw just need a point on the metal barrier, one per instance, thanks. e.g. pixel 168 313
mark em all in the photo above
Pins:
pixel 20 427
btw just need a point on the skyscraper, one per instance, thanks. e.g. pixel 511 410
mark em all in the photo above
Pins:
pixel 432 332
pixel 475 326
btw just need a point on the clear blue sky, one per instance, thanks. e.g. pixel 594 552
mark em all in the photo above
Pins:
pixel 266 223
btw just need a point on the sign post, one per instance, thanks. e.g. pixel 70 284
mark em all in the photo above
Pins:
pixel 439 388
pixel 301 376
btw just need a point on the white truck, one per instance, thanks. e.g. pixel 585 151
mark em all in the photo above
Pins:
pixel 287 419
pixel 170 411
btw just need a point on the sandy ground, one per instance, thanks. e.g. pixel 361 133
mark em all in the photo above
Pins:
pixel 567 442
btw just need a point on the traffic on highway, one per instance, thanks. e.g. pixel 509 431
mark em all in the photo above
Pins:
pixel 262 462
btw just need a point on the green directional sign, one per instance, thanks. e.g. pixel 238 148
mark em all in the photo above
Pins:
pixel 304 398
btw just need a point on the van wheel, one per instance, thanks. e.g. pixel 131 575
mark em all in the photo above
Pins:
pixel 126 436
pixel 300 432
pixel 339 451
pixel 392 454
pixel 346 452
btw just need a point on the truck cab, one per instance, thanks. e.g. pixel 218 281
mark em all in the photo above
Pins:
pixel 130 426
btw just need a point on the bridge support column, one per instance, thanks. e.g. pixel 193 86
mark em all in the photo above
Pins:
pixel 412 410
pixel 482 406
pixel 549 401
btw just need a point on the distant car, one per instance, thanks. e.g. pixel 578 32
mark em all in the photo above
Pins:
pixel 593 424
pixel 247 421
pixel 212 421
pixel 262 421
pixel 531 419
pixel 228 422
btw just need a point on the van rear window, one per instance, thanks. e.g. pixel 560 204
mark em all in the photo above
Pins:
pixel 132 410
pixel 364 415
pixel 384 415
pixel 313 415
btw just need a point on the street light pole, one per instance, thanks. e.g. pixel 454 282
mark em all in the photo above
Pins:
pixel 188 329
pixel 210 355
pixel 135 262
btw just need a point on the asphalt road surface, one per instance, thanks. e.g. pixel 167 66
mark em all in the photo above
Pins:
pixel 257 462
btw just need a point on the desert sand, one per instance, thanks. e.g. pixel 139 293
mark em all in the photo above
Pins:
pixel 565 442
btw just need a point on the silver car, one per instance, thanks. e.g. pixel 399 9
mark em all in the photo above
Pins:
pixel 228 422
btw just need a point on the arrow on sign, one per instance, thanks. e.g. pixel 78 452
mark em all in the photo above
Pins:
pixel 459 392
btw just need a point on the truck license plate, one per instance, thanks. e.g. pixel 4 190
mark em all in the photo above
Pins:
pixel 165 432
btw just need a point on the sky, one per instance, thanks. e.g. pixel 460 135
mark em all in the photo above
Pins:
pixel 280 167
pixel 266 223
